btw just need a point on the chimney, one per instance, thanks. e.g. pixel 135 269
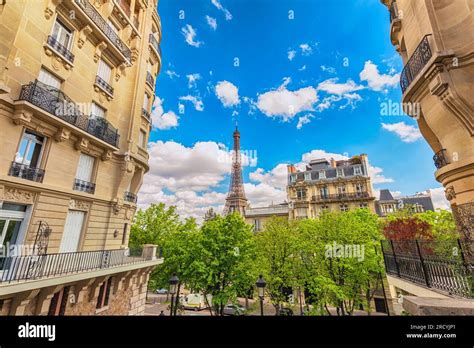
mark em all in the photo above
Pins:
pixel 333 162
pixel 291 168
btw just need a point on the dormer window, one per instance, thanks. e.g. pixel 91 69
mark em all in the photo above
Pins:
pixel 357 170
pixel 322 174
pixel 307 176
pixel 340 172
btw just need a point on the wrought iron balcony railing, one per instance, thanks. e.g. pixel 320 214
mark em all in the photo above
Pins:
pixel 394 14
pixel 99 81
pixel 440 159
pixel 55 102
pixel 26 172
pixel 442 265
pixel 341 196
pixel 416 63
pixel 34 267
pixel 130 197
pixel 84 186
pixel 57 46
pixel 102 24
pixel 155 44
pixel 150 80
pixel 146 114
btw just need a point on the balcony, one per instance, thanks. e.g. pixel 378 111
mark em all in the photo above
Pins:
pixel 146 114
pixel 58 104
pixel 58 47
pixel 96 18
pixel 38 267
pixel 130 197
pixel 104 86
pixel 84 186
pixel 154 43
pixel 416 63
pixel 394 14
pixel 24 171
pixel 432 264
pixel 440 159
pixel 150 80
pixel 341 197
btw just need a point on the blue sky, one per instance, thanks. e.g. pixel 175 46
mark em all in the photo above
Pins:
pixel 303 79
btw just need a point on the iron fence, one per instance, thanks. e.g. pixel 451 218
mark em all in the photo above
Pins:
pixel 416 63
pixel 99 81
pixel 64 51
pixel 24 171
pixel 442 265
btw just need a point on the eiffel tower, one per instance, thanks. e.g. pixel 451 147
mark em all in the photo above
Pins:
pixel 236 200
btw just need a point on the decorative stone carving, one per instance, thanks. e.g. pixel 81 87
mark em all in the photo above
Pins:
pixel 62 134
pixel 82 144
pixel 438 85
pixel 449 193
pixel 106 155
pixel 116 207
pixel 464 217
pixel 16 195
pixel 98 51
pixel 22 118
pixel 83 34
pixel 51 8
pixel 119 71
pixel 79 205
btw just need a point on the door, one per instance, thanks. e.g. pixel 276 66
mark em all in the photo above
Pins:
pixel 11 218
pixel 72 231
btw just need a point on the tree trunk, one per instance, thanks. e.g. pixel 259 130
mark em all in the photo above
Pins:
pixel 176 300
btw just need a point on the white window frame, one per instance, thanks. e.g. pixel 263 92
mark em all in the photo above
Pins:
pixel 104 71
pixel 85 168
pixel 100 111
pixel 322 174
pixel 69 34
pixel 49 79
pixel 31 141
pixel 358 170
pixel 340 172
pixel 307 176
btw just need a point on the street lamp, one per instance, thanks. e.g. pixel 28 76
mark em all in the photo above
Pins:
pixel 174 280
pixel 261 291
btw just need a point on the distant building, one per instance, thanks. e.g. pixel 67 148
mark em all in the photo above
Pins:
pixel 259 216
pixel 329 185
pixel 418 203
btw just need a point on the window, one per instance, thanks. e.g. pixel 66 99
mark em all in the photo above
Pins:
pixel 72 231
pixel 363 205
pixel 142 139
pixel 59 302
pixel 343 207
pixel 341 190
pixel 104 293
pixel 49 79
pixel 85 168
pixel 292 178
pixel 357 170
pixel 307 176
pixel 300 194
pixel 324 207
pixel 359 187
pixel 301 213
pixel 322 174
pixel 339 172
pixel 62 34
pixel 323 191
pixel 146 102
pixel 11 220
pixel 104 71
pixel 257 225
pixel 31 149
pixel 97 111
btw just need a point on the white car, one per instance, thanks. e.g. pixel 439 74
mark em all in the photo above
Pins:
pixel 196 302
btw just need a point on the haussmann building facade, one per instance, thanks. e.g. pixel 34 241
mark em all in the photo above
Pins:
pixel 77 83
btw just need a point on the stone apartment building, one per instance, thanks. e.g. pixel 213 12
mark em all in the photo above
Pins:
pixel 77 81
pixel 329 185
pixel 417 203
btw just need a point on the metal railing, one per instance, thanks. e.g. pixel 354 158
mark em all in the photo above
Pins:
pixel 341 196
pixel 394 14
pixel 60 48
pixel 441 265
pixel 84 186
pixel 416 63
pixel 440 159
pixel 30 267
pixel 146 114
pixel 130 197
pixel 55 102
pixel 26 172
pixel 99 81
pixel 102 24
pixel 155 44
pixel 150 80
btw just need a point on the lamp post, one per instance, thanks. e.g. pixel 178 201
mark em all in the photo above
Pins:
pixel 261 291
pixel 174 280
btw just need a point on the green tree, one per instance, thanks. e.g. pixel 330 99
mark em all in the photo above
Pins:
pixel 442 224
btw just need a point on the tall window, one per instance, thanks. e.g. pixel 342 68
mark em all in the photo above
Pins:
pixel 323 191
pixel 301 193
pixel 307 176
pixel 49 79
pixel 104 71
pixel 62 34
pixel 322 174
pixel 142 138
pixel 359 187
pixel 85 168
pixel 357 170
pixel 340 172
pixel 31 149
pixel 341 189
pixel 104 293
pixel 257 225
pixel 97 111
pixel 146 102
pixel 59 302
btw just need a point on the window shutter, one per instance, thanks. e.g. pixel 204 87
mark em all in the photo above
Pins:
pixel 97 111
pixel 105 71
pixel 84 168
pixel 49 79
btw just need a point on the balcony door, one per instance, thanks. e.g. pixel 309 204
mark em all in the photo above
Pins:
pixel 72 231
pixel 12 218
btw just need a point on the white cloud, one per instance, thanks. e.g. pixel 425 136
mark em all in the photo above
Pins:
pixel 439 199
pixel 228 15
pixel 227 93
pixel 303 68
pixel 332 86
pixel 172 74
pixel 285 103
pixel 291 54
pixel 160 119
pixel 192 78
pixel 328 69
pixel 189 34
pixel 375 80
pixel 212 22
pixel 304 120
pixel 405 132
pixel 263 194
pixel 306 49
pixel 197 102
pixel 277 177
